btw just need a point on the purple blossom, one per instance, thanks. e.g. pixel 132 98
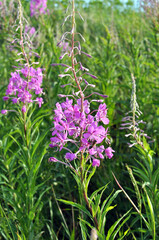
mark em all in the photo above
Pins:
pixel 75 126
pixel 70 156
pixel 4 111
pixel 68 122
pixel 15 100
pixel 97 151
pixel 102 114
pixel 24 109
pixel 95 133
pixel 96 162
pixel 39 101
pixel 23 85
pixel 86 105
pixel 5 98
pixel 38 7
pixel 32 31
pixel 109 152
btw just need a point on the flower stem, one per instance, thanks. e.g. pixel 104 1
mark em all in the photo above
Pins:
pixel 22 40
pixel 76 78
pixel 82 110
pixel 90 210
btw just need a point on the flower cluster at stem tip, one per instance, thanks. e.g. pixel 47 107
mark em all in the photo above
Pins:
pixel 21 89
pixel 38 7
pixel 69 120
pixel 77 129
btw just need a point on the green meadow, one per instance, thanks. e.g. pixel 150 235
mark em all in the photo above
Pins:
pixel 40 199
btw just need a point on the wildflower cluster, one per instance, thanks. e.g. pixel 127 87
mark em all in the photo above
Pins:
pixel 38 7
pixel 68 122
pixel 76 128
pixel 20 89
pixel 25 83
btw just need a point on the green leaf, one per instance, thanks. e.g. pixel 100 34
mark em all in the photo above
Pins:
pixel 34 209
pixel 96 192
pixel 83 230
pixel 51 232
pixel 119 227
pixel 80 207
pixel 106 207
pixel 145 144
pixel 73 235
pixel 152 215
pixel 10 225
pixel 155 177
pixel 87 179
pixel 112 232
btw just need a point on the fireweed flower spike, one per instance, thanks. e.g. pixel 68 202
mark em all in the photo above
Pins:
pixel 131 122
pixel 79 131
pixel 75 124
pixel 25 83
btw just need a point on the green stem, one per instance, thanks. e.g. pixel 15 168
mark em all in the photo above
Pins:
pixel 82 162
pixel 74 73
pixel 21 38
pixel 90 210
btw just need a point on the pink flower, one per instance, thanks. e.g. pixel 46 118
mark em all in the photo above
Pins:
pixel 86 105
pixel 68 122
pixel 95 132
pixel 5 98
pixel 109 152
pixel 95 163
pixel 24 109
pixel 39 101
pixel 97 151
pixel 24 85
pixel 15 100
pixel 38 7
pixel 102 114
pixel 70 156
pixel 32 31
pixel 4 111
